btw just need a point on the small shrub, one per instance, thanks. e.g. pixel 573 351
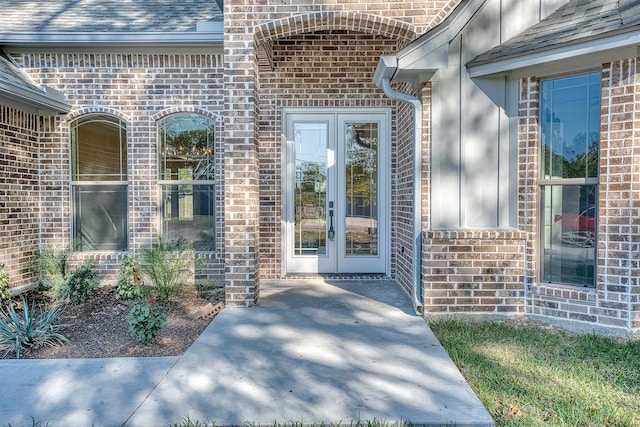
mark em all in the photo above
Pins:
pixel 51 267
pixel 145 321
pixel 6 296
pixel 130 281
pixel 81 284
pixel 29 329
pixel 169 267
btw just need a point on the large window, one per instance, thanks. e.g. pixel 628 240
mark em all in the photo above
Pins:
pixel 186 168
pixel 99 183
pixel 570 144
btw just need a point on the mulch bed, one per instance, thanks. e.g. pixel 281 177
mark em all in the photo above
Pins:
pixel 99 328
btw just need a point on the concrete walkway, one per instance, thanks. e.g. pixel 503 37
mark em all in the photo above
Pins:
pixel 312 351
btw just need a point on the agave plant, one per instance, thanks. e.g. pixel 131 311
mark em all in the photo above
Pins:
pixel 29 329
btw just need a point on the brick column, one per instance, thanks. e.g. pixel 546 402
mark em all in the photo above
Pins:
pixel 241 174
pixel 528 172
pixel 619 197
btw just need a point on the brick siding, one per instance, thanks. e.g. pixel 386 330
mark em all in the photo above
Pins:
pixel 613 305
pixel 139 89
pixel 318 54
pixel 19 194
pixel 473 272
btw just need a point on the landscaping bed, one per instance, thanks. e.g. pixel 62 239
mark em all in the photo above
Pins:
pixel 156 309
pixel 98 328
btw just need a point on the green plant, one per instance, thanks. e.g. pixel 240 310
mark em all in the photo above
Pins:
pixel 51 267
pixel 130 281
pixel 145 321
pixel 79 286
pixel 29 329
pixel 188 422
pixel 169 267
pixel 6 296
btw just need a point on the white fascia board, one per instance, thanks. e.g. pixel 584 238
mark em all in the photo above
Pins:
pixel 430 52
pixel 112 39
pixel 47 102
pixel 587 53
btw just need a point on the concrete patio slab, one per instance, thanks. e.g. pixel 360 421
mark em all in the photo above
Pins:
pixel 316 351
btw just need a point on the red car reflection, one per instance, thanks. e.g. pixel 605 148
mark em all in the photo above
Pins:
pixel 578 230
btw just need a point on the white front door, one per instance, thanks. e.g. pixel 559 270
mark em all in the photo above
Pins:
pixel 335 185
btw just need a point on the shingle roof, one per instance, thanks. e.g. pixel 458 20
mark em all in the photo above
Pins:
pixel 575 21
pixel 105 15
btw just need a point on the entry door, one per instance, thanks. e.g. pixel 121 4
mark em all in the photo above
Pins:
pixel 335 211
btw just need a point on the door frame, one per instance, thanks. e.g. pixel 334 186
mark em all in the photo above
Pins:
pixel 384 156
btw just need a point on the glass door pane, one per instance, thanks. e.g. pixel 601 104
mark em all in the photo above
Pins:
pixel 361 189
pixel 310 220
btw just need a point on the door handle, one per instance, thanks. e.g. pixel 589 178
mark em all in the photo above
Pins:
pixel 331 234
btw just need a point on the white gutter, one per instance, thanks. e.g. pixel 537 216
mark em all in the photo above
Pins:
pixel 387 66
pixel 212 35
pixel 47 102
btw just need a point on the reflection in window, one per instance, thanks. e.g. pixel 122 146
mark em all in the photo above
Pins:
pixel 186 172
pixel 361 190
pixel 311 189
pixel 570 144
pixel 99 183
pixel 569 234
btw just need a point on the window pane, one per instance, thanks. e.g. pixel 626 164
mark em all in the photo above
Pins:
pixel 186 148
pixel 99 149
pixel 310 236
pixel 570 122
pixel 361 176
pixel 100 217
pixel 188 215
pixel 569 234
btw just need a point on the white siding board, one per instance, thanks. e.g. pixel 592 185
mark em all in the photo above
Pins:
pixel 445 147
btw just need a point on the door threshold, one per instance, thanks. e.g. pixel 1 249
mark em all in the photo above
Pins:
pixel 336 276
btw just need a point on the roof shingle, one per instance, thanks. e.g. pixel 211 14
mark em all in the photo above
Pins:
pixel 573 22
pixel 105 16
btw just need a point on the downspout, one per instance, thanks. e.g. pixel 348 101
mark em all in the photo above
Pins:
pixel 387 67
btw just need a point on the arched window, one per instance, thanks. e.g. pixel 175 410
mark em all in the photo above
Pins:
pixel 186 174
pixel 99 183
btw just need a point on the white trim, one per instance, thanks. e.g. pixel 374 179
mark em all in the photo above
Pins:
pixel 384 156
pixel 415 53
pixel 130 39
pixel 46 102
pixel 567 57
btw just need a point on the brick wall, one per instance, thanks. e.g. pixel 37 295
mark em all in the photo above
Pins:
pixel 403 177
pixel 316 54
pixel 140 89
pixel 19 194
pixel 328 69
pixel 473 272
pixel 619 197
pixel 614 304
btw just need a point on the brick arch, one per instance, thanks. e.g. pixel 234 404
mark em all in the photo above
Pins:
pixel 268 32
pixel 97 110
pixel 186 109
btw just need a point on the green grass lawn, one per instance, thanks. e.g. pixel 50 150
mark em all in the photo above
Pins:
pixel 533 376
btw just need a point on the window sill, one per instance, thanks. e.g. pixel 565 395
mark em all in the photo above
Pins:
pixel 557 290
